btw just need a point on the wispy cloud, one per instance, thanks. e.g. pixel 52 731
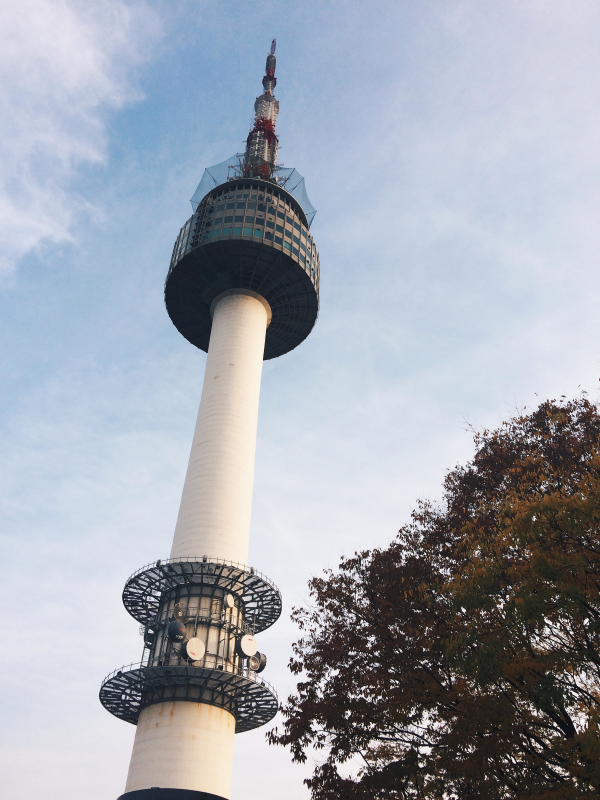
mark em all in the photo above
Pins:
pixel 63 66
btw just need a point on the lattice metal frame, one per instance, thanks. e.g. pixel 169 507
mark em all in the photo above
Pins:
pixel 144 590
pixel 127 691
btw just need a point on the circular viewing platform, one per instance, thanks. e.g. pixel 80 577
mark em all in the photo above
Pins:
pixel 246 234
pixel 147 588
pixel 127 691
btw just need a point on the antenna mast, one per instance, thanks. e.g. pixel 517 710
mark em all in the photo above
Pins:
pixel 260 157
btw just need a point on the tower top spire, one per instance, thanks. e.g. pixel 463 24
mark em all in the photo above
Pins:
pixel 260 157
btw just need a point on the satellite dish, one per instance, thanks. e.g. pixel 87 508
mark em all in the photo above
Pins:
pixel 258 662
pixel 246 647
pixel 176 631
pixel 194 649
pixel 229 601
pixel 179 611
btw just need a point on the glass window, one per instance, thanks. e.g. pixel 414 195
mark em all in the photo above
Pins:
pixel 268 235
pixel 280 215
pixel 289 220
pixel 221 207
pixel 230 205
pixel 237 230
pixel 248 231
pixel 218 221
pixel 288 234
pixel 297 226
pixel 252 205
pixel 296 239
pixel 302 247
pixel 240 205
pixel 228 219
pixel 294 249
pixel 278 239
pixel 239 219
pixel 262 207
pixel 287 245
pixel 206 235
pixel 259 221
pixel 226 230
pixel 279 228
pixel 258 232
pixel 249 220
pixel 270 224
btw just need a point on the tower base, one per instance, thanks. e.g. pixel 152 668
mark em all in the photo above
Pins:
pixel 157 793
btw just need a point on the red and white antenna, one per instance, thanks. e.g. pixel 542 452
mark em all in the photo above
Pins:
pixel 260 158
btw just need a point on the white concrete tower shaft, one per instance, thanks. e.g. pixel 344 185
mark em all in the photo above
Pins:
pixel 190 745
pixel 214 517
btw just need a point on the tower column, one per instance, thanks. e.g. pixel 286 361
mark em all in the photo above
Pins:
pixel 243 286
pixel 182 746
pixel 214 516
pixel 189 746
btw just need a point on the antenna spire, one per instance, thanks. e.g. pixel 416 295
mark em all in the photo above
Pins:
pixel 260 158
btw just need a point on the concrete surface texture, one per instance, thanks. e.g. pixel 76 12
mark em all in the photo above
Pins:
pixel 214 516
pixel 180 745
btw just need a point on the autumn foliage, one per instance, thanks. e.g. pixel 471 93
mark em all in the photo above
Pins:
pixel 464 660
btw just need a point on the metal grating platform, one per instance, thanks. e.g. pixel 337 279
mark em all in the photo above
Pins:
pixel 143 591
pixel 127 691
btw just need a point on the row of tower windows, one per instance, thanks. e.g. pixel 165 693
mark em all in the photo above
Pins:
pixel 259 233
pixel 247 188
pixel 254 216
pixel 251 220
pixel 270 223
pixel 270 197
pixel 265 210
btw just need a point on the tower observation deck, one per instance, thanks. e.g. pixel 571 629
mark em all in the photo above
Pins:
pixel 243 285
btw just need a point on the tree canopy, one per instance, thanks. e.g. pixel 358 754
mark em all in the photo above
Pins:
pixel 464 659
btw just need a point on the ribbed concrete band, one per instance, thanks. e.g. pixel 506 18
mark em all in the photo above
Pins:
pixel 168 794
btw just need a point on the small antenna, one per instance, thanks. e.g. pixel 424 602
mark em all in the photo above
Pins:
pixel 273 45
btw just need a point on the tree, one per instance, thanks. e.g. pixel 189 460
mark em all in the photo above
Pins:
pixel 464 659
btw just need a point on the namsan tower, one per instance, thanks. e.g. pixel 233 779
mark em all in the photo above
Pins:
pixel 243 286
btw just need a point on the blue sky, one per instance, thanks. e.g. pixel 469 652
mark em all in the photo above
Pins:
pixel 451 149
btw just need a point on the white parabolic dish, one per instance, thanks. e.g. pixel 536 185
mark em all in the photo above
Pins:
pixel 195 649
pixel 248 646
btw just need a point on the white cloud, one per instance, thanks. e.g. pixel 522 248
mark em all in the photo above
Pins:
pixel 63 65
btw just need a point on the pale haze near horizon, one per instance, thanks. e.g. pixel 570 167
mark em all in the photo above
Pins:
pixel 451 149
